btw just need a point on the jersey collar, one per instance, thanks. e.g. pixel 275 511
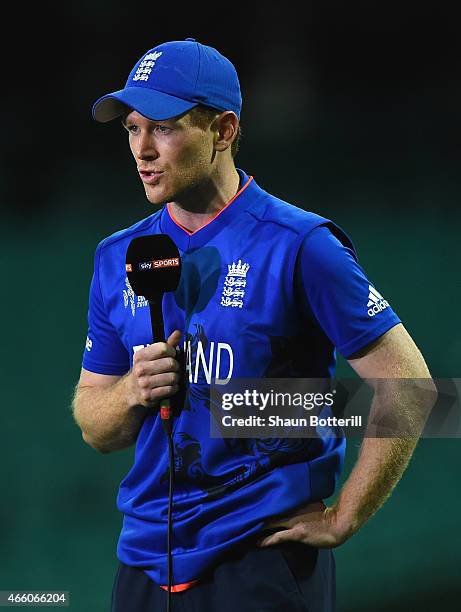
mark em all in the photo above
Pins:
pixel 186 240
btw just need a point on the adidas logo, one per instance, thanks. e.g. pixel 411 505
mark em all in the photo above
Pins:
pixel 376 302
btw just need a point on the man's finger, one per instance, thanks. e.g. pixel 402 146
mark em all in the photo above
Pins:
pixel 287 535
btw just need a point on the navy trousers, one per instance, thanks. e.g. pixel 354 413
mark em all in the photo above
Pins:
pixel 289 577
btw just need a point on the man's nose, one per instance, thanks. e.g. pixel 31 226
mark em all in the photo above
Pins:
pixel 145 147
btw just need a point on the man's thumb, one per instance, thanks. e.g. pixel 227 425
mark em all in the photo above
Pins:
pixel 174 338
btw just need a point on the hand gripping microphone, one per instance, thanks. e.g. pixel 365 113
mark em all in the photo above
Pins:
pixel 153 267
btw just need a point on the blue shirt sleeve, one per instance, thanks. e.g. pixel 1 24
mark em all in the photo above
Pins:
pixel 104 352
pixel 337 292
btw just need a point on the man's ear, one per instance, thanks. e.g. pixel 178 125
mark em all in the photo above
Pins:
pixel 225 127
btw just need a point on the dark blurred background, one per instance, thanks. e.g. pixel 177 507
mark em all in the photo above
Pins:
pixel 350 110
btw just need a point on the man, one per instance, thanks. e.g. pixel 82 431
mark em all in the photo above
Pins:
pixel 267 290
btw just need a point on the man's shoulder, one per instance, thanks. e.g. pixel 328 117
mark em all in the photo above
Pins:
pixel 122 236
pixel 268 208
pixel 292 219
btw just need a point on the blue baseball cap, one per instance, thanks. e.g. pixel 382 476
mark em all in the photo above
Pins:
pixel 172 78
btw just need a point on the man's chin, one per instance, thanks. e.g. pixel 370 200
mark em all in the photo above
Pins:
pixel 156 198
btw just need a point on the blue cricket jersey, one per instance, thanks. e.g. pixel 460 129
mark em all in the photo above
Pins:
pixel 267 290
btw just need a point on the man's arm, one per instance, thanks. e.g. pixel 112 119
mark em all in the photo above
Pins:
pixel 111 409
pixel 381 461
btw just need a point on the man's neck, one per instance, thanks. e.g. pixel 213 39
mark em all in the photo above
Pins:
pixel 208 200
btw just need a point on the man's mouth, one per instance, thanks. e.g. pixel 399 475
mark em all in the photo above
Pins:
pixel 149 176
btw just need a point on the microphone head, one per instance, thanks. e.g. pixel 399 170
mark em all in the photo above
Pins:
pixel 153 266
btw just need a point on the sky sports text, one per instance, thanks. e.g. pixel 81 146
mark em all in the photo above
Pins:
pixel 256 399
pixel 154 264
pixel 158 263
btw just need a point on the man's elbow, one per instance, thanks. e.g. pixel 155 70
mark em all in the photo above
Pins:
pixel 96 444
pixel 105 446
pixel 424 392
pixel 424 395
pixel 404 405
pixel 433 392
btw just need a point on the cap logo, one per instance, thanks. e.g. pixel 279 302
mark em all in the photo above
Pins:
pixel 145 67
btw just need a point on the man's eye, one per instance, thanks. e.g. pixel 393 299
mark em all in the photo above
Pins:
pixel 163 129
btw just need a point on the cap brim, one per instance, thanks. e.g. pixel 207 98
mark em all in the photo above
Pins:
pixel 150 103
